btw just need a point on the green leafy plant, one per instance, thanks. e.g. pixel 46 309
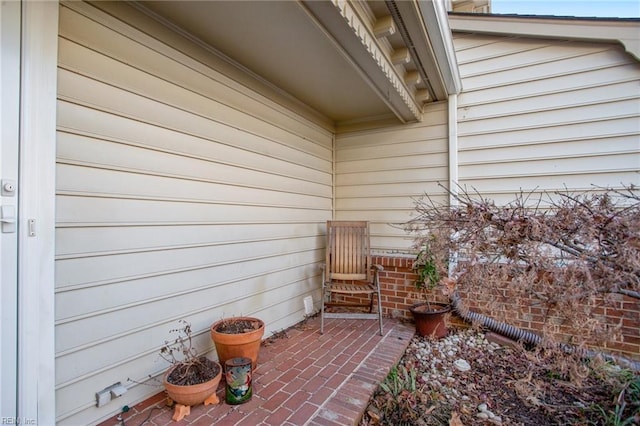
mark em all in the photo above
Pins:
pixel 400 379
pixel 399 397
pixel 622 408
pixel 430 266
pixel 425 267
pixel 627 408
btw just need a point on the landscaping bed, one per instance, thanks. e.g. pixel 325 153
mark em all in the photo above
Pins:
pixel 464 379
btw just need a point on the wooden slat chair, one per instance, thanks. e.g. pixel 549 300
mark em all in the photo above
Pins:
pixel 348 272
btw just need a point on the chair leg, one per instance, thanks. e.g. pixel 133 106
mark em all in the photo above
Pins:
pixel 379 307
pixel 322 300
pixel 380 315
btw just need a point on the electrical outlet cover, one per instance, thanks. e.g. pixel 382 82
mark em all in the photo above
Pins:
pixel 103 397
pixel 308 305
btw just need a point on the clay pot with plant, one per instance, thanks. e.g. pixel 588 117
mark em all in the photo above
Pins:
pixel 430 317
pixel 191 379
pixel 238 337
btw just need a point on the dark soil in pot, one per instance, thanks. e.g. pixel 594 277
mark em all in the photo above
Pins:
pixel 237 326
pixel 194 373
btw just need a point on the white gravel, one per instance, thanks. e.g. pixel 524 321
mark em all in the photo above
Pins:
pixel 446 366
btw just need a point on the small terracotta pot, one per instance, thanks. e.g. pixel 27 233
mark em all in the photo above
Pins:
pixel 192 394
pixel 430 319
pixel 240 345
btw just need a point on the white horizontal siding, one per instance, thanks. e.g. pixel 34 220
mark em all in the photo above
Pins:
pixel 597 96
pixel 545 115
pixel 177 153
pixel 534 115
pixel 181 194
pixel 596 129
pixel 84 336
pixel 596 77
pixel 380 172
pixel 542 116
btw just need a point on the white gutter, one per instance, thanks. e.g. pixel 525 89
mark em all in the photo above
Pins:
pixel 425 29
pixel 436 20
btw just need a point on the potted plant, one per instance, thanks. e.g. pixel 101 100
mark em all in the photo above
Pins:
pixel 238 337
pixel 191 379
pixel 430 317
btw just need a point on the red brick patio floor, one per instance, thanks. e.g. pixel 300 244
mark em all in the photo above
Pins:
pixel 305 378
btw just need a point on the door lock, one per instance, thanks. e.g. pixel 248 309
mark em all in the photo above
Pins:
pixel 8 188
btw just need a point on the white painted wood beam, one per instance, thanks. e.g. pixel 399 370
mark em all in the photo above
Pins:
pixel 423 95
pixel 400 56
pixel 384 27
pixel 412 78
pixel 36 277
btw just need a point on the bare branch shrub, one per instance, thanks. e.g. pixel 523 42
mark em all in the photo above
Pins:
pixel 564 254
pixel 188 367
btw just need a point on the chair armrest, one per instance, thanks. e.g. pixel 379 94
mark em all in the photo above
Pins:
pixel 378 267
pixel 323 266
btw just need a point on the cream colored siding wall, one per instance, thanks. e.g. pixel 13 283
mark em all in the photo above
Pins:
pixel 180 195
pixel 546 114
pixel 380 172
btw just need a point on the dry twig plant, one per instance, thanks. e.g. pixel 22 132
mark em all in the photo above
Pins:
pixel 563 254
pixel 189 368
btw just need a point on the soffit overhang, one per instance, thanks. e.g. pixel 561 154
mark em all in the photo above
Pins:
pixel 347 61
pixel 625 31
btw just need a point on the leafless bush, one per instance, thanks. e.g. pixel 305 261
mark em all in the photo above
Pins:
pixel 565 253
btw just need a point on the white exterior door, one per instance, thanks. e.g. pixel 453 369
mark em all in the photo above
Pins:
pixel 9 137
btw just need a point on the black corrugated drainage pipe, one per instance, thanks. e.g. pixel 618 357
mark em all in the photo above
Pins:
pixel 527 337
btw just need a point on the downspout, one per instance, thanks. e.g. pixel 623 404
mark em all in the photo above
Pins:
pixel 333 176
pixel 529 338
pixel 453 149
pixel 507 330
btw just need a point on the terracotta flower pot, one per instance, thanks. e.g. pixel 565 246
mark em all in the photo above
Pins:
pixel 238 345
pixel 192 394
pixel 430 319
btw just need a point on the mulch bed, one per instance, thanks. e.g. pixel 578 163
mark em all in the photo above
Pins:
pixel 512 385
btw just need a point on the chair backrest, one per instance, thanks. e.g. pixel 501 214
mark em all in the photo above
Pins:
pixel 348 254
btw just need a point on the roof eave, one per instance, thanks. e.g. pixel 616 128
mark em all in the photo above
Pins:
pixel 624 31
pixel 425 26
pixel 356 42
pixel 427 29
pixel 436 25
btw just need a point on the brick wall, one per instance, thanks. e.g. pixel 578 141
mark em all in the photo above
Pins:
pixel 399 293
pixel 398 289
